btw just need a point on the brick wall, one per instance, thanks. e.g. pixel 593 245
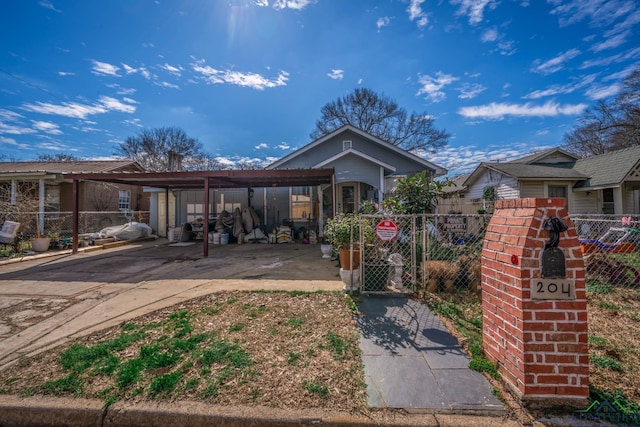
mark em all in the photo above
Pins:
pixel 540 346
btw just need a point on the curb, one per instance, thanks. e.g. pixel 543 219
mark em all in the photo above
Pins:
pixel 52 411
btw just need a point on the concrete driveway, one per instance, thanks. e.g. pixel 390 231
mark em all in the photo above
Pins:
pixel 47 300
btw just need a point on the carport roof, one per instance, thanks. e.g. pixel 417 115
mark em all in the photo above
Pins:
pixel 217 178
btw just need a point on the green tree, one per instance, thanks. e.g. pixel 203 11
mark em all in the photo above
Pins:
pixel 56 157
pixel 415 194
pixel 383 118
pixel 165 149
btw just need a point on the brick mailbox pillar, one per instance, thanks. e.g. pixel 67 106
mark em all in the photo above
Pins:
pixel 535 327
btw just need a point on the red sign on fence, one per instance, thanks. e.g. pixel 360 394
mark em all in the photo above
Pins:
pixel 386 230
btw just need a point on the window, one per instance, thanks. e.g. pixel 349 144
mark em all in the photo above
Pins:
pixel 346 144
pixel 195 212
pixel 301 202
pixel 124 200
pixel 608 204
pixel 52 198
pixel 559 191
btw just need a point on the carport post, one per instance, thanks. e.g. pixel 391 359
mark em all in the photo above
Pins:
pixel 166 212
pixel 74 238
pixel 205 229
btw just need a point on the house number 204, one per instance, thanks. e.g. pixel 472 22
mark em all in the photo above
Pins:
pixel 553 289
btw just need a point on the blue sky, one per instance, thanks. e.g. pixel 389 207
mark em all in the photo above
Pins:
pixel 248 78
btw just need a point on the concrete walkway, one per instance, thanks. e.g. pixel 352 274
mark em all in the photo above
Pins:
pixel 410 360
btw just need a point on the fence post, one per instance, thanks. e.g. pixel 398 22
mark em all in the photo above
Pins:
pixel 535 327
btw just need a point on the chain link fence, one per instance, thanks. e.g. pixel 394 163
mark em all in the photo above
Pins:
pixel 59 225
pixel 441 253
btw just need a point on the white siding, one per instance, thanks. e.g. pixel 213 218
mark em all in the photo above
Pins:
pixel 583 204
pixel 532 189
pixel 506 186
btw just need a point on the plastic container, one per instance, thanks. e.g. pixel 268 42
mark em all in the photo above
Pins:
pixel 224 238
pixel 214 238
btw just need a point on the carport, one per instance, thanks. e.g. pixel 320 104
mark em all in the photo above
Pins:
pixel 204 180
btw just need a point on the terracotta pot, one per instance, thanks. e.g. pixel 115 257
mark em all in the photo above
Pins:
pixel 345 259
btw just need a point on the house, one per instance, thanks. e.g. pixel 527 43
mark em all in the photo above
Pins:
pixel 365 168
pixel 605 184
pixel 48 192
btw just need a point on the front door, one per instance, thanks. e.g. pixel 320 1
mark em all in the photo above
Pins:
pixel 347 198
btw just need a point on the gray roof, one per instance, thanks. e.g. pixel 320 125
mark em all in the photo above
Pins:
pixel 535 157
pixel 539 171
pixel 609 169
pixel 69 166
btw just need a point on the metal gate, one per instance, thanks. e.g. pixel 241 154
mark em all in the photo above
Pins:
pixel 427 253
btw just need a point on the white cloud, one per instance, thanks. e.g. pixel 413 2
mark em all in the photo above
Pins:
pixel 417 14
pixel 47 127
pixel 103 68
pixel 383 22
pixel 133 122
pixel 506 48
pixel 176 71
pixel 432 86
pixel 463 159
pixel 474 9
pixel 601 92
pixel 65 73
pixel 262 3
pixel 283 146
pixel 597 12
pixel 497 111
pixel 620 57
pixel 470 90
pixel 48 5
pixel 611 42
pixel 554 64
pixel 105 104
pixel 167 85
pixel 10 115
pixel 561 89
pixel 291 4
pixel 128 69
pixel 489 35
pixel 261 146
pixel 252 80
pixel 336 74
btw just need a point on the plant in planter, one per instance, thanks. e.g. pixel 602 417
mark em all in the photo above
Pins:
pixel 39 242
pixel 339 232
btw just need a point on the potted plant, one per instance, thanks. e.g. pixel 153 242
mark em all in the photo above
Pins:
pixel 39 243
pixel 339 231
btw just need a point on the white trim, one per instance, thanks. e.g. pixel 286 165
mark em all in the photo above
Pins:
pixel 438 170
pixel 355 153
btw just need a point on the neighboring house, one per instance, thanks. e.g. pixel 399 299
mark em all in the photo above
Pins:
pixel 52 194
pixel 607 184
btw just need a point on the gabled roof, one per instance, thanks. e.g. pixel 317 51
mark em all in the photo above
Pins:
pixel 594 172
pixel 609 169
pixel 15 168
pixel 438 170
pixel 355 153
pixel 538 157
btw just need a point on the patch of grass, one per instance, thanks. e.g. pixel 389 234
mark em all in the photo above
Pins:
pixel 222 351
pixel 608 305
pixel 316 388
pixel 482 364
pixel 352 303
pixel 211 310
pixel 293 358
pixel 598 288
pixel 129 373
pixel 153 357
pixel 605 362
pixel 164 384
pixel 616 397
pixel 337 345
pixel 597 341
pixel 69 384
pixel 295 322
pixel 232 300
pixel 236 328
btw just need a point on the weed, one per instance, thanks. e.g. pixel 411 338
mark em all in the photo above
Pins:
pixel 608 306
pixel 605 362
pixel 224 351
pixel 315 388
pixel 191 384
pixel 211 310
pixel 482 364
pixel 232 300
pixel 622 401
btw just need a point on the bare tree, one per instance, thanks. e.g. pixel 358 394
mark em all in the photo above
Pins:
pixel 609 125
pixel 165 149
pixel 381 117
pixel 57 157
